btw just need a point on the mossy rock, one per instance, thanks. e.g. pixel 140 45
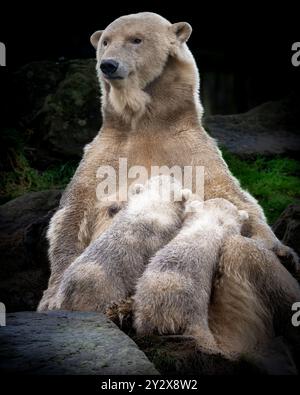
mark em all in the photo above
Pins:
pixel 59 106
pixel 179 355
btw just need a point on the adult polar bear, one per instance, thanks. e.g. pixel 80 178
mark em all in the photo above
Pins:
pixel 152 116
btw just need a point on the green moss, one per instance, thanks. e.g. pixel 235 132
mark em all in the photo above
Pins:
pixel 274 182
pixel 164 356
pixel 163 362
pixel 23 178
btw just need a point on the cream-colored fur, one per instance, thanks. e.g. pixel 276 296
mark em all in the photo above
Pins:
pixel 110 266
pixel 164 128
pixel 252 293
pixel 173 294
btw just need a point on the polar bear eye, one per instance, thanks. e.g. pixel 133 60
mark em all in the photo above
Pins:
pixel 105 43
pixel 136 40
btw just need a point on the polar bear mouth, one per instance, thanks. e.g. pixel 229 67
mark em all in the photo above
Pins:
pixel 116 77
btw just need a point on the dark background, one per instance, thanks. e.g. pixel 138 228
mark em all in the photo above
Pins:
pixel 244 57
pixel 250 41
pixel 243 52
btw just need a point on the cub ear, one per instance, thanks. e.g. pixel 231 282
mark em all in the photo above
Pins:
pixel 182 30
pixel 186 194
pixel 95 37
pixel 193 206
pixel 243 215
pixel 114 208
pixel 137 189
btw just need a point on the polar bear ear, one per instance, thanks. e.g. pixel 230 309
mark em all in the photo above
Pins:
pixel 186 194
pixel 182 30
pixel 95 37
pixel 243 215
pixel 137 189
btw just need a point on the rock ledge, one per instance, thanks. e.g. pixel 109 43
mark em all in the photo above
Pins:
pixel 68 343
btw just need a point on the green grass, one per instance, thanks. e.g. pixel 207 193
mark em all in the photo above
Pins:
pixel 23 178
pixel 275 182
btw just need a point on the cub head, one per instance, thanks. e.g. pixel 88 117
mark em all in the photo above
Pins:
pixel 161 200
pixel 219 212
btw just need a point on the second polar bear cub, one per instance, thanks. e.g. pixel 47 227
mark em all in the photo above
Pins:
pixel 110 266
pixel 174 292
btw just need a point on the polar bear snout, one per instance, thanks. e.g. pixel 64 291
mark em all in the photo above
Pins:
pixel 113 69
pixel 109 66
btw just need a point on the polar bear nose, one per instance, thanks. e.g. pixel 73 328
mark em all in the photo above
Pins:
pixel 109 67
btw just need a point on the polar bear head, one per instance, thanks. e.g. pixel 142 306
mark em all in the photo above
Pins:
pixel 133 51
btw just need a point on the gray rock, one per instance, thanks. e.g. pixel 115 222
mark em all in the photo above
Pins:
pixel 68 343
pixel 24 268
pixel 271 128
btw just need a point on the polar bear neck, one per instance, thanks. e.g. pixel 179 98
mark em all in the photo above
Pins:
pixel 172 94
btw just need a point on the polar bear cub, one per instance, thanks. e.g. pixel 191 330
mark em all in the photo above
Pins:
pixel 109 268
pixel 172 296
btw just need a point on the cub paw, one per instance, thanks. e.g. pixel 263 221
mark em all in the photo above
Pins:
pixel 121 313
